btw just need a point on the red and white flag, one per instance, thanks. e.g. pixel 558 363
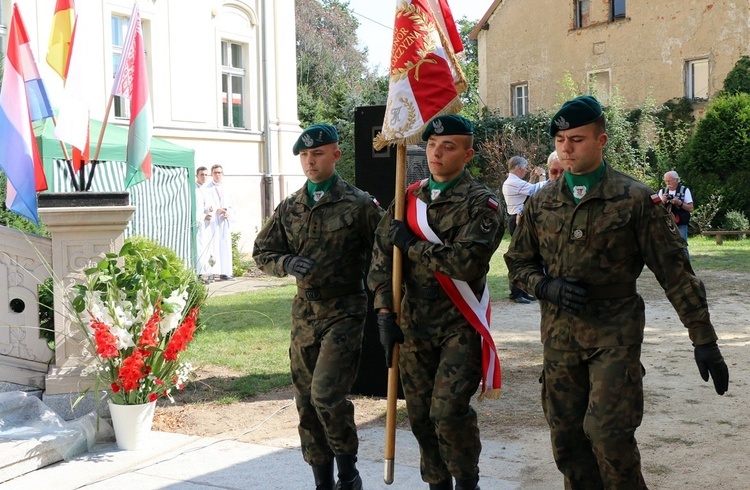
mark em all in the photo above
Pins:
pixel 131 82
pixel 426 78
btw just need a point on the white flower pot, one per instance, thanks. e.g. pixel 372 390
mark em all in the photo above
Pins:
pixel 132 424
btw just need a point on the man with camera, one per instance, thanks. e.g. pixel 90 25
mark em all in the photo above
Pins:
pixel 679 202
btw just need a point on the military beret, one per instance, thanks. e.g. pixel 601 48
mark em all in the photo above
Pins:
pixel 580 111
pixel 448 124
pixel 315 136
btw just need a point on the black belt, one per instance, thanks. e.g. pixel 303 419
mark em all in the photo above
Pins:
pixel 424 292
pixel 316 294
pixel 611 291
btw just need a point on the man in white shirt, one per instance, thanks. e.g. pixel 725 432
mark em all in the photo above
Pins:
pixel 516 191
pixel 224 209
pixel 679 202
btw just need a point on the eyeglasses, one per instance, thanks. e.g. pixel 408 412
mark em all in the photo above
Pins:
pixel 217 172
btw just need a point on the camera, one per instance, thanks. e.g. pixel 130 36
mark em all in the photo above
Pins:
pixel 670 197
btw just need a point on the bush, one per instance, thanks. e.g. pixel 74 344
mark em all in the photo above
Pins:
pixel 240 264
pixel 736 221
pixel 704 214
pixel 716 160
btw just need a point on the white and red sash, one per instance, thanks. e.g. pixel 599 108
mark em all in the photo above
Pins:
pixel 477 313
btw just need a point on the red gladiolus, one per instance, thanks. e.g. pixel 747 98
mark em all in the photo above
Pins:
pixel 182 336
pixel 132 371
pixel 151 331
pixel 152 397
pixel 106 343
pixel 158 381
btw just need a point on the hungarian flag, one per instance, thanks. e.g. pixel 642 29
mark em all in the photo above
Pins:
pixel 23 99
pixel 61 37
pixel 426 78
pixel 131 82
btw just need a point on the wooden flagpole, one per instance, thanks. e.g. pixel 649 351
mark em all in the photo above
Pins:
pixel 390 415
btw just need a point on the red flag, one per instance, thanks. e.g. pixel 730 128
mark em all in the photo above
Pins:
pixel 444 17
pixel 425 78
pixel 131 81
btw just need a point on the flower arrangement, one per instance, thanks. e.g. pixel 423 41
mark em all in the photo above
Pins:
pixel 136 318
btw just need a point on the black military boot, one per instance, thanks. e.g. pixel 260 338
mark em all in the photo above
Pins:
pixel 443 485
pixel 349 478
pixel 323 476
pixel 467 483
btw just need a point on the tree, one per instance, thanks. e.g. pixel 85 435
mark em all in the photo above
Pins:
pixel 469 60
pixel 738 79
pixel 332 76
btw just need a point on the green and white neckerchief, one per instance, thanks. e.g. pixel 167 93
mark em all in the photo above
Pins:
pixel 437 188
pixel 316 191
pixel 580 185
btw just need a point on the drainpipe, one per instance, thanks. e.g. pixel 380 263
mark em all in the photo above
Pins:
pixel 267 167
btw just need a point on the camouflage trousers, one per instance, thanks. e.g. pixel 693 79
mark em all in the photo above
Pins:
pixel 593 402
pixel 324 357
pixel 439 376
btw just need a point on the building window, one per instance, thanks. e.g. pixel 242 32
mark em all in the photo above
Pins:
pixel 600 85
pixel 696 79
pixel 119 33
pixel 520 99
pixel 618 9
pixel 581 13
pixel 233 84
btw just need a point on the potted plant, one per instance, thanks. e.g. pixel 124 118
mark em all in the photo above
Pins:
pixel 137 319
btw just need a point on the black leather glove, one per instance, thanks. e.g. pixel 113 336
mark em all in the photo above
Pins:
pixel 390 334
pixel 401 235
pixel 563 292
pixel 709 360
pixel 298 266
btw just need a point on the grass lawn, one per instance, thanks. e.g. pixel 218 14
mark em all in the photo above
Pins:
pixel 249 332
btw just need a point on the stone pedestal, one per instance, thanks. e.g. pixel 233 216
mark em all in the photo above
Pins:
pixel 80 235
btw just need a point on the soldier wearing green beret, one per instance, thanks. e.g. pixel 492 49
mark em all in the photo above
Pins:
pixel 583 242
pixel 322 235
pixel 441 357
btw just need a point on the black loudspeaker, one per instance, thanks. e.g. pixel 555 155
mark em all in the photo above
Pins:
pixel 375 172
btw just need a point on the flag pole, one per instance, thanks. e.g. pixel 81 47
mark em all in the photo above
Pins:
pixel 104 126
pixel 390 414
pixel 67 159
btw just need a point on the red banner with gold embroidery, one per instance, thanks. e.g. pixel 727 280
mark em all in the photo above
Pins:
pixel 426 78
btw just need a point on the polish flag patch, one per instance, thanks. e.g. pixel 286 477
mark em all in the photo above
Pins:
pixel 491 202
pixel 655 198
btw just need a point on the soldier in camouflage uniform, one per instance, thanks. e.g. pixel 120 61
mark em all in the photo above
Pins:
pixel 441 356
pixel 581 245
pixel 322 234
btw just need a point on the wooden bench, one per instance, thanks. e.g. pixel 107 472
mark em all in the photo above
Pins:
pixel 719 234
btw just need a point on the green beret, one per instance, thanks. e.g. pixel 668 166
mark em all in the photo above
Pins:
pixel 580 111
pixel 315 136
pixel 448 124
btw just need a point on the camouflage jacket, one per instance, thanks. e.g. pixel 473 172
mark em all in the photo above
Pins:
pixel 337 233
pixel 470 227
pixel 605 240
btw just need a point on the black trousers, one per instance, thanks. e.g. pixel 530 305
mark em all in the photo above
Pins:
pixel 515 292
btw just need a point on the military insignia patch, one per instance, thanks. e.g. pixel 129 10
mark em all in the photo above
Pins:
pixel 437 126
pixel 671 224
pixel 486 224
pixel 317 195
pixel 307 140
pixel 561 123
pixel 655 198
pixel 579 191
pixel 374 200
pixel 493 203
pixel 435 194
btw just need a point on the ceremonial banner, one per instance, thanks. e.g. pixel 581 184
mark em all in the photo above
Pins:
pixel 426 78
